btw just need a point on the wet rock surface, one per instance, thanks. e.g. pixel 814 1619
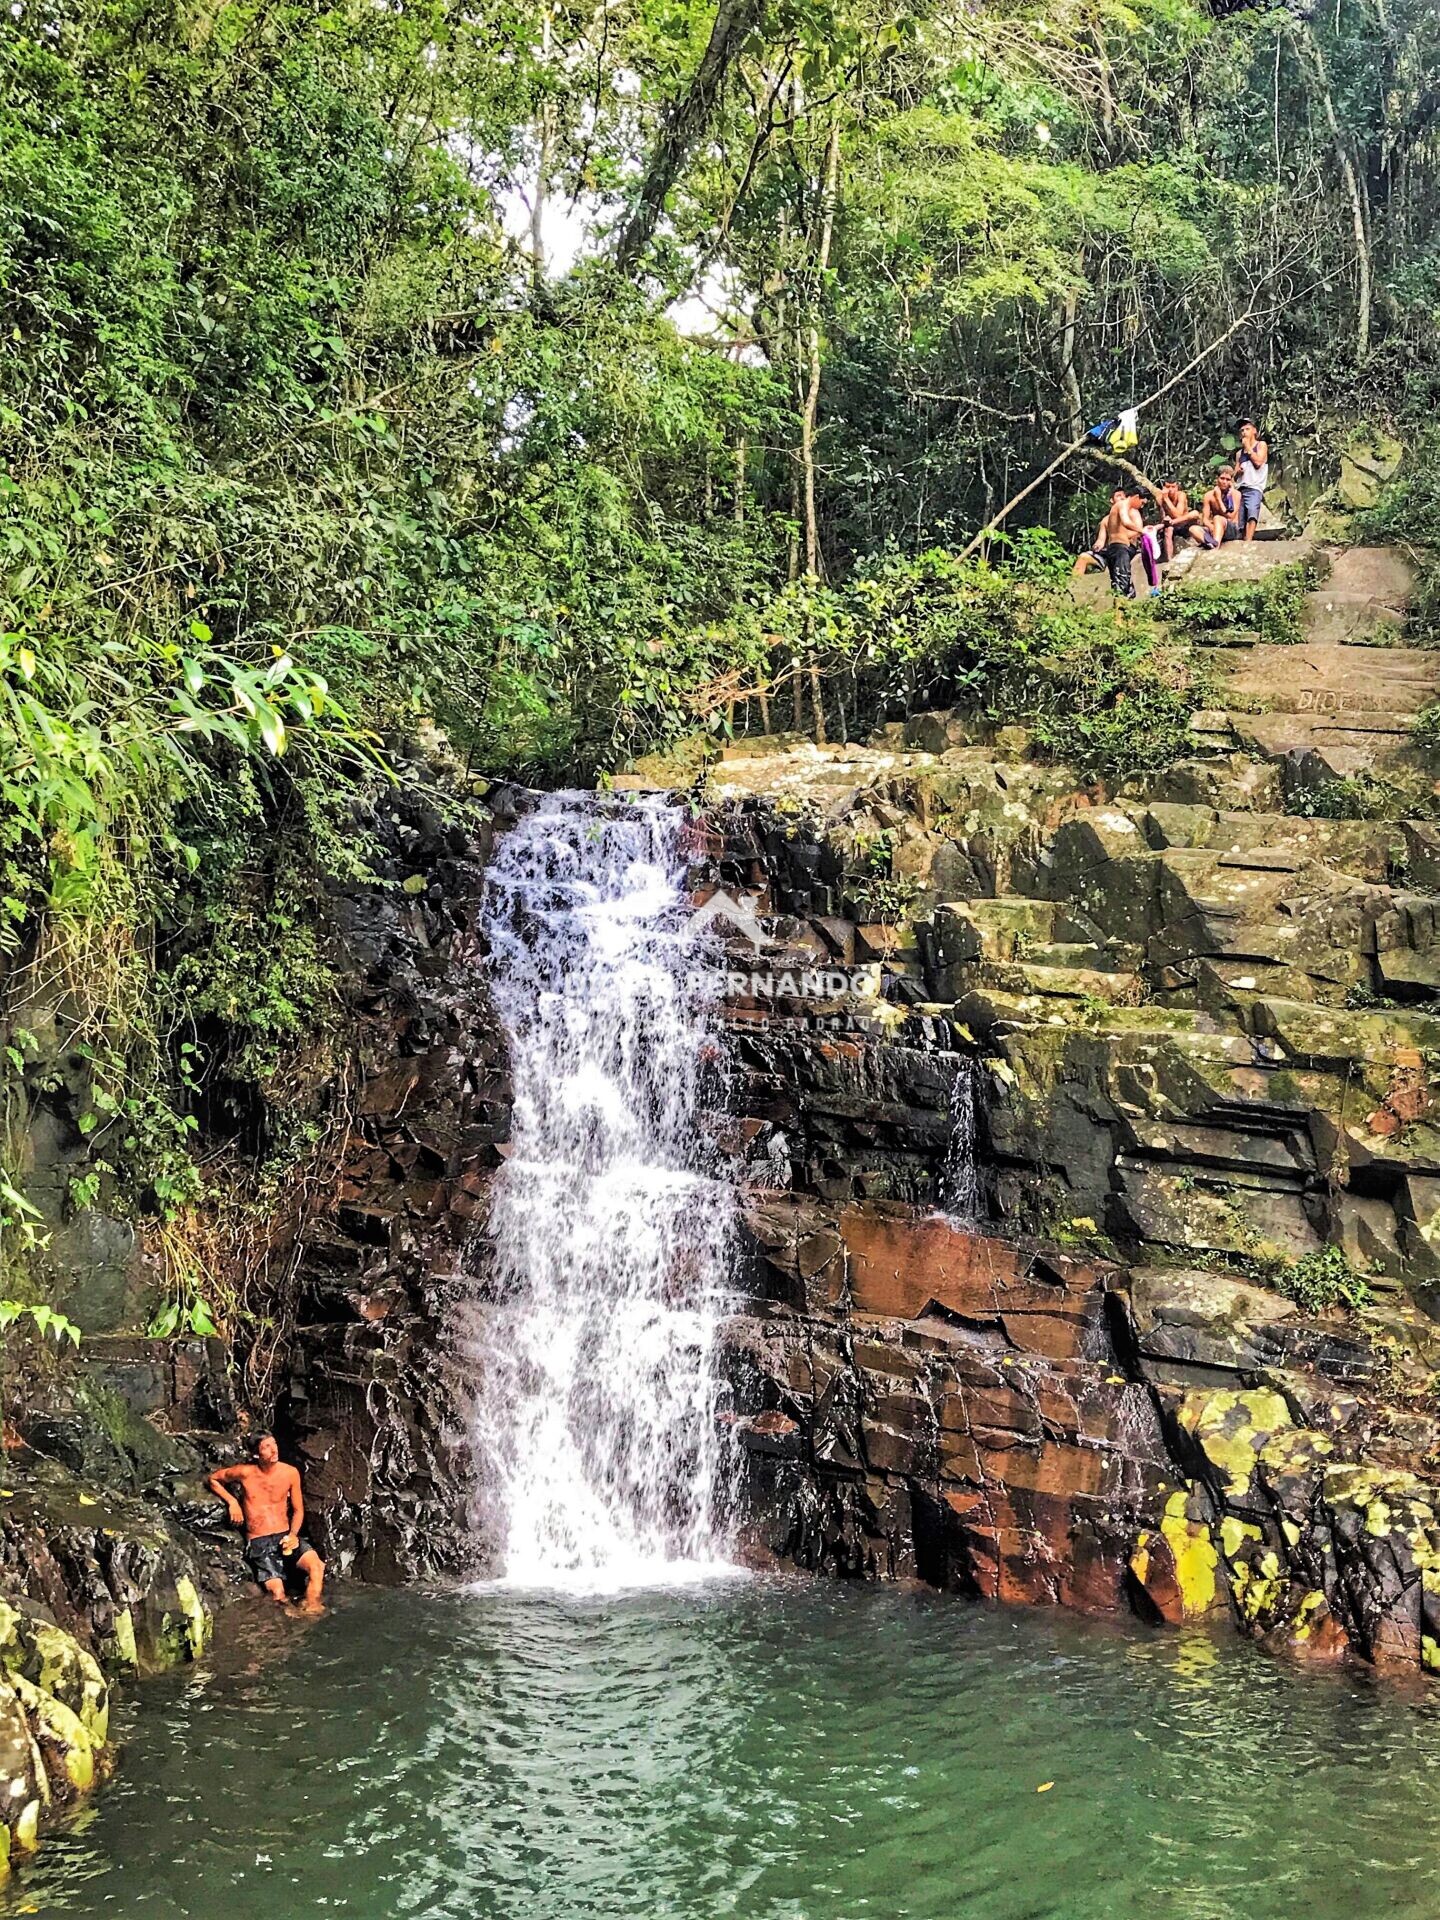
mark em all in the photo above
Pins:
pixel 112 1561
pixel 104 1517
pixel 914 1401
pixel 373 1405
pixel 1205 1024
pixel 54 1724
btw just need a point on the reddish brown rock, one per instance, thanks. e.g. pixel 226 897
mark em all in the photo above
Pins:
pixel 903 1264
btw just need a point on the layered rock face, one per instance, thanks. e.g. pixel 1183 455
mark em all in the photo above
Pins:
pixel 1211 1018
pixel 915 1401
pixel 374 1404
pixel 114 1558
pixel 112 1562
pixel 1196 1012
pixel 1202 1013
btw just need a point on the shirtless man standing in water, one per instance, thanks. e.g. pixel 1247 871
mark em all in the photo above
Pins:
pixel 266 1500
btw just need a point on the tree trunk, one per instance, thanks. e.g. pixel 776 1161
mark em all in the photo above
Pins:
pixel 537 205
pixel 1313 55
pixel 545 147
pixel 1068 377
pixel 1363 294
pixel 809 412
pixel 684 124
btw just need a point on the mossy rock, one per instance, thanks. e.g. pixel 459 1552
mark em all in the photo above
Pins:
pixel 1368 459
pixel 134 1584
pixel 54 1723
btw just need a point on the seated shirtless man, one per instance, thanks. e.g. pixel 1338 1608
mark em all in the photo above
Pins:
pixel 1176 514
pixel 1220 513
pixel 1094 555
pixel 266 1500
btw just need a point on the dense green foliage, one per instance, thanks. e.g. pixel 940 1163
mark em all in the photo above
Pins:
pixel 1319 1281
pixel 1100 689
pixel 1408 513
pixel 572 378
pixel 1269 610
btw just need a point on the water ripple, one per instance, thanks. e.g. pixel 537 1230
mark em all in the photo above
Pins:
pixel 775 1750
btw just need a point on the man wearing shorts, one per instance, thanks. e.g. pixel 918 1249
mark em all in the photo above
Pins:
pixel 1093 556
pixel 266 1500
pixel 1118 538
pixel 1220 513
pixel 1253 474
pixel 1176 515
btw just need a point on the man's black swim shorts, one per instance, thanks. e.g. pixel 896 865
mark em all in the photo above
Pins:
pixel 266 1560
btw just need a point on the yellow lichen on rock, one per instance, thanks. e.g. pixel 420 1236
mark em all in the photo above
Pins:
pixel 1194 1555
pixel 1232 1428
pixel 59 1731
pixel 121 1649
pixel 1258 1586
pixel 197 1617
pixel 1234 1533
pixel 54 1722
pixel 25 1828
pixel 1295 1450
pixel 1306 1615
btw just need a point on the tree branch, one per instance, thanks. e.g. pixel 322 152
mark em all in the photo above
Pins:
pixel 1079 445
pixel 1125 466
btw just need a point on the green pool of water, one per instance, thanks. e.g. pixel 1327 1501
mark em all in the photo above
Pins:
pixel 773 1750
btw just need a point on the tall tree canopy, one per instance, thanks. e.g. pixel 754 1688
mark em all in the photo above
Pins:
pixel 493 361
pixel 571 373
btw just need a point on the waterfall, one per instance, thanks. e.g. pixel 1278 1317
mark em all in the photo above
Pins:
pixel 960 1176
pixel 596 1420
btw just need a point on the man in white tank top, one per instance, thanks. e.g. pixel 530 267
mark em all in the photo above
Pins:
pixel 1252 471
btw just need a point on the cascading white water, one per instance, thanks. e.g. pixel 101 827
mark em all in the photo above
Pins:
pixel 960 1176
pixel 595 1423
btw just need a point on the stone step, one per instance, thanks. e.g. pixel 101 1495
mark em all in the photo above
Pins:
pixel 1351 623
pixel 1333 680
pixel 1091 957
pixel 1407 975
pixel 1063 982
pixel 1220 986
pixel 1335 747
pixel 1331 1036
pixel 982 1007
pixel 993 928
pixel 1367 596
pixel 1248 561
pixel 1279 733
pixel 1276 842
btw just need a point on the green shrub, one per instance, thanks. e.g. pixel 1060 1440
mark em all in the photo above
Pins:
pixel 1407 514
pixel 1104 689
pixel 1319 1281
pixel 1362 796
pixel 1273 608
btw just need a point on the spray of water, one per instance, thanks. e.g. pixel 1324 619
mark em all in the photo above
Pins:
pixel 960 1176
pixel 596 1421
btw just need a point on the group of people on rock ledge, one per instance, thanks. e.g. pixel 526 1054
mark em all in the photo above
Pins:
pixel 1229 511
